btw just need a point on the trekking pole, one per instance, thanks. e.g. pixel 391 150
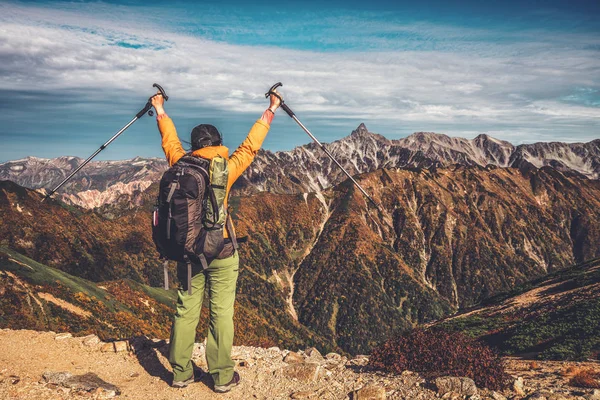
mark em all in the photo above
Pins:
pixel 139 115
pixel 293 116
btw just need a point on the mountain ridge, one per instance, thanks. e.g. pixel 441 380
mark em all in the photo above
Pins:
pixel 306 168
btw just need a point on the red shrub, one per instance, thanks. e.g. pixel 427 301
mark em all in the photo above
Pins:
pixel 436 353
pixel 586 379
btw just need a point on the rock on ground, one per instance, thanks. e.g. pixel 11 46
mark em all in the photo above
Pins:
pixel 460 386
pixel 371 392
pixel 87 382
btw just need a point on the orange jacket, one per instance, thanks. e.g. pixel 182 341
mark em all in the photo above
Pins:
pixel 241 158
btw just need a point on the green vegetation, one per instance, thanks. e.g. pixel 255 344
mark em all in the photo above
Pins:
pixel 39 274
pixel 561 324
pixel 570 333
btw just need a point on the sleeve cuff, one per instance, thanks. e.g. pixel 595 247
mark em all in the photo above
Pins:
pixel 267 116
pixel 263 123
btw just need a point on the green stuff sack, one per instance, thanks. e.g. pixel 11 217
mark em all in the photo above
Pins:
pixel 211 236
pixel 218 176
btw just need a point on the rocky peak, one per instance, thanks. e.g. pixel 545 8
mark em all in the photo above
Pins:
pixel 424 137
pixel 362 135
pixel 361 130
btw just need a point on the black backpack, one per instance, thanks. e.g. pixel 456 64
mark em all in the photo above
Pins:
pixel 185 225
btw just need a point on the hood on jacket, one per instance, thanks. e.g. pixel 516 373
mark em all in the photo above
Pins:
pixel 211 152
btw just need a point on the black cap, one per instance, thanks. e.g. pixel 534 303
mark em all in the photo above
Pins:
pixel 205 135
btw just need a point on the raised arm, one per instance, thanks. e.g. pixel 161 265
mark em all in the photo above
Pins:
pixel 170 141
pixel 243 156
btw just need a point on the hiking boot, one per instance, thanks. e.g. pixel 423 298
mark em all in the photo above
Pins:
pixel 182 384
pixel 228 386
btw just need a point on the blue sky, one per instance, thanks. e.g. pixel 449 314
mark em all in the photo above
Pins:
pixel 73 73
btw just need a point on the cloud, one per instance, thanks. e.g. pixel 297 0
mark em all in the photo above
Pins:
pixel 417 75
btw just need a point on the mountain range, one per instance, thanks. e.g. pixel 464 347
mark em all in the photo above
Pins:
pixel 460 222
pixel 306 168
pixel 327 264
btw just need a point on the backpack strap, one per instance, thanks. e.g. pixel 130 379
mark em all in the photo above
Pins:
pixel 166 273
pixel 213 201
pixel 189 270
pixel 229 226
pixel 203 261
pixel 189 277
pixel 174 186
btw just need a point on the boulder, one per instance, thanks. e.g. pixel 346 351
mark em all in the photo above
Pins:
pixel 459 385
pixel 370 392
pixel 62 336
pixel 121 345
pixel 546 395
pixel 293 358
pixel 305 372
pixel 115 347
pixel 519 386
pixel 313 354
pixel 91 340
pixel 497 396
pixel 107 348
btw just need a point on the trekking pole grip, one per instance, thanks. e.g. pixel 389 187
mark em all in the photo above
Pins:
pixel 161 90
pixel 148 107
pixel 272 91
pixel 283 105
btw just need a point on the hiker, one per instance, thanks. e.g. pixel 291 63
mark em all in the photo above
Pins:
pixel 221 275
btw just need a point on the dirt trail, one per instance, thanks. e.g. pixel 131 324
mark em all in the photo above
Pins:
pixel 28 354
pixel 145 373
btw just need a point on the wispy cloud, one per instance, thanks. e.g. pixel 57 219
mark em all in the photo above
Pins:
pixel 394 76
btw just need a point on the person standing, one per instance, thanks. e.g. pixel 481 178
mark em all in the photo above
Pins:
pixel 220 277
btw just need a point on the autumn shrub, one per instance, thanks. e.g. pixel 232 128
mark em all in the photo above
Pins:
pixel 570 371
pixel 534 365
pixel 435 353
pixel 586 379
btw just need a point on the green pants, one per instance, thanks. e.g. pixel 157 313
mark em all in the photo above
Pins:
pixel 220 279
